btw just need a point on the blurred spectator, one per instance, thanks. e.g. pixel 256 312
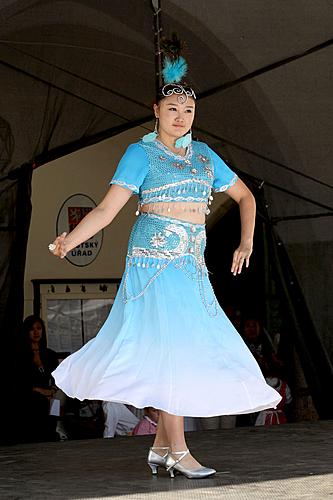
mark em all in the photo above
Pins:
pixel 263 349
pixel 118 419
pixel 38 363
pixel 276 416
pixel 257 339
pixel 148 424
pixel 235 316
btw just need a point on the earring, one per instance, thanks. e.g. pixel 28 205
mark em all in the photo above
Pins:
pixel 152 135
pixel 184 141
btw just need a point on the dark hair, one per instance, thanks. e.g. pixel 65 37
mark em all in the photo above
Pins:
pixel 27 326
pixel 172 86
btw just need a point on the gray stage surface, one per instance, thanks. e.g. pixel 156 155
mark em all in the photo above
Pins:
pixel 293 461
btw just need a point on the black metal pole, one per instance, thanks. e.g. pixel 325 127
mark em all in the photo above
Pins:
pixel 156 5
pixel 275 220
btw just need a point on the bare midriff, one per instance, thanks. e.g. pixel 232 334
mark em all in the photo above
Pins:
pixel 194 212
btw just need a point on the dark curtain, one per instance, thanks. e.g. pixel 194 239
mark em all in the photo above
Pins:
pixel 14 229
pixel 270 292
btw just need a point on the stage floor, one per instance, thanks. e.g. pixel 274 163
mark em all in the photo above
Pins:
pixel 293 461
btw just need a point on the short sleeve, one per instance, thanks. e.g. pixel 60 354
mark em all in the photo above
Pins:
pixel 224 177
pixel 132 168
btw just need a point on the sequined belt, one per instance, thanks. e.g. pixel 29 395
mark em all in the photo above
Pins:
pixel 156 237
pixel 155 243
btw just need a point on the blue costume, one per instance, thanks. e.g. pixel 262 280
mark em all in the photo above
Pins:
pixel 167 343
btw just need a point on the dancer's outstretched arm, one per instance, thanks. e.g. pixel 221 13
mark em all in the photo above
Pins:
pixel 94 221
pixel 240 193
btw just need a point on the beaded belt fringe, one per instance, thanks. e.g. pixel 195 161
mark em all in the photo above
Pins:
pixel 157 242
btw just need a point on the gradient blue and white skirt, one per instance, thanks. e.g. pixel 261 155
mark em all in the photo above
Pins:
pixel 166 342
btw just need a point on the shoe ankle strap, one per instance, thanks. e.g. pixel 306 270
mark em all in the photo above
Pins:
pixel 180 452
pixel 160 447
pixel 183 453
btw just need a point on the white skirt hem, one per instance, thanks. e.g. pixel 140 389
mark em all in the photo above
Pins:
pixel 154 404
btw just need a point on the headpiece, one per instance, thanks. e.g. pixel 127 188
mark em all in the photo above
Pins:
pixel 174 69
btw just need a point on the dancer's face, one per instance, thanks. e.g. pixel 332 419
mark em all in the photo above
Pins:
pixel 175 119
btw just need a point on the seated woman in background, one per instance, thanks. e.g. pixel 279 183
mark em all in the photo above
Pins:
pixel 39 361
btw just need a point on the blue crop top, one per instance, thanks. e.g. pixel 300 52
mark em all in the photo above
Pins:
pixel 156 174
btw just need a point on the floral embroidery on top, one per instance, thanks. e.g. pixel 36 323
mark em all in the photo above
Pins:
pixel 178 165
pixel 202 158
pixel 209 172
pixel 167 177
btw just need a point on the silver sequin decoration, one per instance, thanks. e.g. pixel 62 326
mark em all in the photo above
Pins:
pixel 202 158
pixel 209 172
pixel 158 240
pixel 178 165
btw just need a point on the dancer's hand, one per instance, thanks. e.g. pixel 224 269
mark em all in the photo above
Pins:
pixel 58 247
pixel 241 254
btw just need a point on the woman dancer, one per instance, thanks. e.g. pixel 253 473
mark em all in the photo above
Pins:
pixel 167 343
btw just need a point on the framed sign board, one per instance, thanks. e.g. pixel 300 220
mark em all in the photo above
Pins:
pixel 71 321
pixel 73 311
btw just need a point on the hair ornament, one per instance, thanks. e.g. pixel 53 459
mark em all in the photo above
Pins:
pixel 182 93
pixel 174 70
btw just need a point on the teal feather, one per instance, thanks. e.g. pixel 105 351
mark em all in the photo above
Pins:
pixel 174 71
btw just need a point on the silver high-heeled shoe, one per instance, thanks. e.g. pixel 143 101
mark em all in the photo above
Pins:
pixel 155 460
pixel 172 464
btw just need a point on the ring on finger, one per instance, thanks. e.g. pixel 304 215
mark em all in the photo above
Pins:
pixel 52 247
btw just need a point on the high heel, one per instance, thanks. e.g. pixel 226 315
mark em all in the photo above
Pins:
pixel 174 465
pixel 155 460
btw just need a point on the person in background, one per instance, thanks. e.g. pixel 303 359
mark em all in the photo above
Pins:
pixel 256 339
pixel 235 316
pixel 275 416
pixel 39 361
pixel 118 419
pixel 148 424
